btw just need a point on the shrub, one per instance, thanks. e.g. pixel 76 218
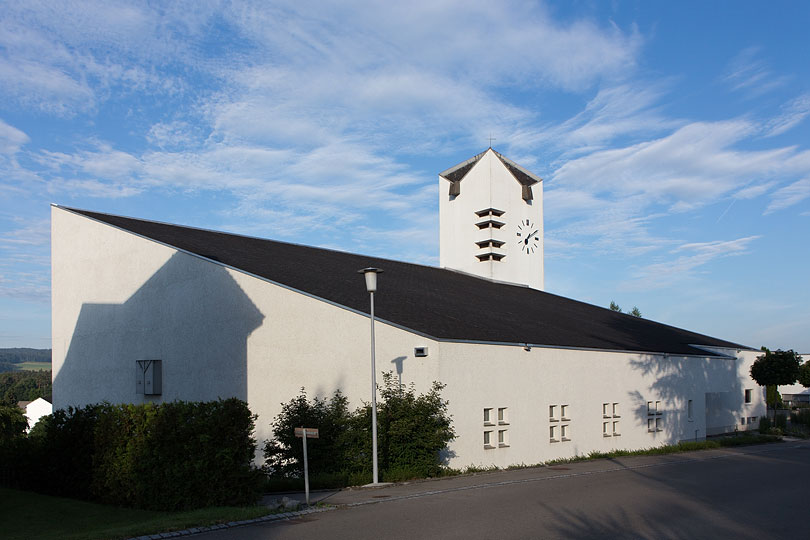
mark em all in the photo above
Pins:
pixel 764 424
pixel 171 456
pixel 12 423
pixel 801 416
pixel 412 431
pixel 781 421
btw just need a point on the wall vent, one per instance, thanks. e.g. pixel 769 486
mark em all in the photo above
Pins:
pixel 420 351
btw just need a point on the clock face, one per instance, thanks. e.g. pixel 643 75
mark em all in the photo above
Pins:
pixel 527 236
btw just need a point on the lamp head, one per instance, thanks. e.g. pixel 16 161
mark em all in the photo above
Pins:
pixel 371 278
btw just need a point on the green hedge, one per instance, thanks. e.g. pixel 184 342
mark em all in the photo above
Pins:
pixel 171 456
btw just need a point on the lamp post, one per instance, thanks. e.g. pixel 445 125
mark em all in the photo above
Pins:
pixel 371 287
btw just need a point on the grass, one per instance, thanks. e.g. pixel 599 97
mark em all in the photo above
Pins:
pixel 30 516
pixel 33 366
pixel 686 446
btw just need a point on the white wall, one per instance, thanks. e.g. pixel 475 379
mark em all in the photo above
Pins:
pixel 118 298
pixel 489 184
pixel 36 410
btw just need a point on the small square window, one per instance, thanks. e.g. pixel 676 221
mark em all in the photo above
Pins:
pixel 748 395
pixel 742 421
pixel 502 417
pixel 616 410
pixel 564 412
pixel 752 419
pixel 488 416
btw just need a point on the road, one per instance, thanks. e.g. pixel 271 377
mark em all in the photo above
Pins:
pixel 752 492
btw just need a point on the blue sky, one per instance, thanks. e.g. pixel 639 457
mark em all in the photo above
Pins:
pixel 673 138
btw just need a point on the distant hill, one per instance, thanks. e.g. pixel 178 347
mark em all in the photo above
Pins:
pixel 20 355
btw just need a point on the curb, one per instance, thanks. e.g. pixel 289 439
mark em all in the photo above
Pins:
pixel 232 524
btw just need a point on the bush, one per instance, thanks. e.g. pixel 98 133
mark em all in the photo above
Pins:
pixel 801 416
pixel 13 423
pixel 412 431
pixel 781 421
pixel 764 424
pixel 170 456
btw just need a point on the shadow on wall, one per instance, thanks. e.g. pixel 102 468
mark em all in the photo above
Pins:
pixel 189 314
pixel 713 387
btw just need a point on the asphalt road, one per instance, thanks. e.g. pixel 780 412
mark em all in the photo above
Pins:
pixel 757 492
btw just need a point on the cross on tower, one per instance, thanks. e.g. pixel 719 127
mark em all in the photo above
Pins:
pixel 491 138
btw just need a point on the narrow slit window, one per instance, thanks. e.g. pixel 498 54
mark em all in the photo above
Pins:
pixel 487 416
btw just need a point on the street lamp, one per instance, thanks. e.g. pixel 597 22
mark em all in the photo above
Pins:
pixel 371 287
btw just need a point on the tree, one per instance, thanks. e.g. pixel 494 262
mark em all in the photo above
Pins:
pixel 804 374
pixel 13 423
pixel 775 368
pixel 635 312
pixel 615 307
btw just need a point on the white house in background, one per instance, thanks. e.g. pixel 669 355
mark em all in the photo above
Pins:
pixel 34 410
pixel 149 312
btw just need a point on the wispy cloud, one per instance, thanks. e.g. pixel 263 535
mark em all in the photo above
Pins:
pixel 789 195
pixel 749 74
pixel 689 257
pixel 793 113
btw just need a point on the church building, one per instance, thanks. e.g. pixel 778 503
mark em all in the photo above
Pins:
pixel 145 311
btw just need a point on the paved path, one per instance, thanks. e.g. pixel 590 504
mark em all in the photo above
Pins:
pixel 751 492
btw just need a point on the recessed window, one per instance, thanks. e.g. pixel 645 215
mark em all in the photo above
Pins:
pixel 752 419
pixel 748 393
pixel 552 413
pixel 488 416
pixel 605 429
pixel 503 437
pixel 651 424
pixel 616 428
pixel 488 439
pixel 552 434
pixel 689 410
pixel 605 410
pixel 658 424
pixel 502 416
pixel 564 412
pixel 650 408
pixel 616 411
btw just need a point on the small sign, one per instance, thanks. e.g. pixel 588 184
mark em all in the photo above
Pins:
pixel 312 433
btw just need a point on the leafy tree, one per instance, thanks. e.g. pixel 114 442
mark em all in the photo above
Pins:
pixel 615 307
pixel 13 423
pixel 25 386
pixel 775 368
pixel 412 431
pixel 804 374
pixel 328 453
pixel 635 312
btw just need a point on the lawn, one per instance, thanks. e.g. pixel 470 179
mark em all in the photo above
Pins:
pixel 30 516
pixel 34 366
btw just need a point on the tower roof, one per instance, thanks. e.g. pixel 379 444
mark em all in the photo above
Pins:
pixel 457 173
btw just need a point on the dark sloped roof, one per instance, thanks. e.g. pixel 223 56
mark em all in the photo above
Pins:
pixel 457 172
pixel 436 302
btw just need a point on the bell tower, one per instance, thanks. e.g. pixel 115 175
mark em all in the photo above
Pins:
pixel 491 220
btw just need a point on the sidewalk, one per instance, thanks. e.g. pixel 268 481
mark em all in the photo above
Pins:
pixel 421 488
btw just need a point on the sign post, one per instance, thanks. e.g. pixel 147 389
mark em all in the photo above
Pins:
pixel 306 433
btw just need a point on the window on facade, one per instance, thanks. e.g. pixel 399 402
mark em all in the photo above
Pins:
pixel 605 410
pixel 606 429
pixel 651 424
pixel 488 439
pixel 616 410
pixel 552 413
pixel 658 424
pixel 564 412
pixel 502 417
pixel 565 432
pixel 552 434
pixel 752 419
pixel 616 432
pixel 689 409
pixel 503 437
pixel 650 408
pixel 654 411
pixel 658 409
pixel 748 393
pixel 487 416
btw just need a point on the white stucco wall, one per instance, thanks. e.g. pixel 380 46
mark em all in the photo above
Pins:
pixel 489 184
pixel 36 410
pixel 118 298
